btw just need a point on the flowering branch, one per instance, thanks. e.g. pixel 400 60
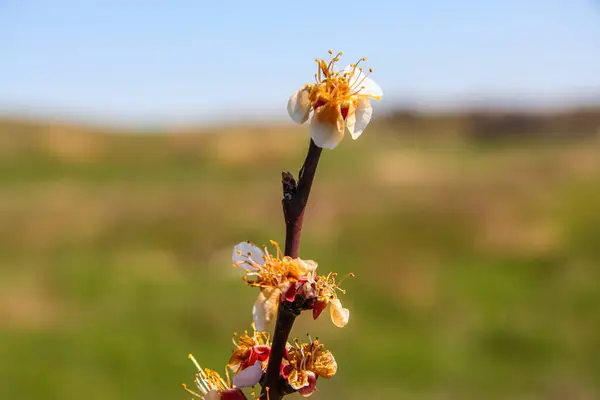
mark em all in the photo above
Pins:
pixel 339 102
pixel 295 197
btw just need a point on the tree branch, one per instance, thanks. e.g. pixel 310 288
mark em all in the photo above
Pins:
pixel 295 197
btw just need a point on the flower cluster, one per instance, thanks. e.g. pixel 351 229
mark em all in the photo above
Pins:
pixel 339 101
pixel 248 362
pixel 302 365
pixel 281 278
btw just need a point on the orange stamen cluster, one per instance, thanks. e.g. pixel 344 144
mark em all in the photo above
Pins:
pixel 249 349
pixel 247 341
pixel 336 88
pixel 277 269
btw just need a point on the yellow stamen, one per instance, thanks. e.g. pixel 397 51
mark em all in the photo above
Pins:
pixel 191 357
pixel 350 275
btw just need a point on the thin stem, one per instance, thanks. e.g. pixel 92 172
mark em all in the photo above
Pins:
pixel 295 197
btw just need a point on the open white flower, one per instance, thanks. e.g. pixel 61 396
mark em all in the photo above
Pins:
pixel 339 100
pixel 280 278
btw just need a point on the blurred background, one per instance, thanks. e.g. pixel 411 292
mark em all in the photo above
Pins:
pixel 141 140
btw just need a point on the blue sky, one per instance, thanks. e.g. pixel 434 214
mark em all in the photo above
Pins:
pixel 186 61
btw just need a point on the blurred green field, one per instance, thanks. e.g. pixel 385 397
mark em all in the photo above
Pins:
pixel 477 266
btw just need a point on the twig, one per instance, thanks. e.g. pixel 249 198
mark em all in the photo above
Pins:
pixel 295 197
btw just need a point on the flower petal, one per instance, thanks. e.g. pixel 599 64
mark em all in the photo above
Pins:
pixel 299 105
pixel 265 308
pixel 298 379
pixel 363 114
pixel 365 85
pixel 371 89
pixel 310 387
pixel 349 124
pixel 327 127
pixel 249 376
pixel 307 266
pixel 325 365
pixel 339 314
pixel 246 254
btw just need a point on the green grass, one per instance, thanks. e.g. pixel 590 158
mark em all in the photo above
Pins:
pixel 476 268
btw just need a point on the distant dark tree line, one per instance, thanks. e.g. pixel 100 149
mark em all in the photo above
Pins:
pixel 490 125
